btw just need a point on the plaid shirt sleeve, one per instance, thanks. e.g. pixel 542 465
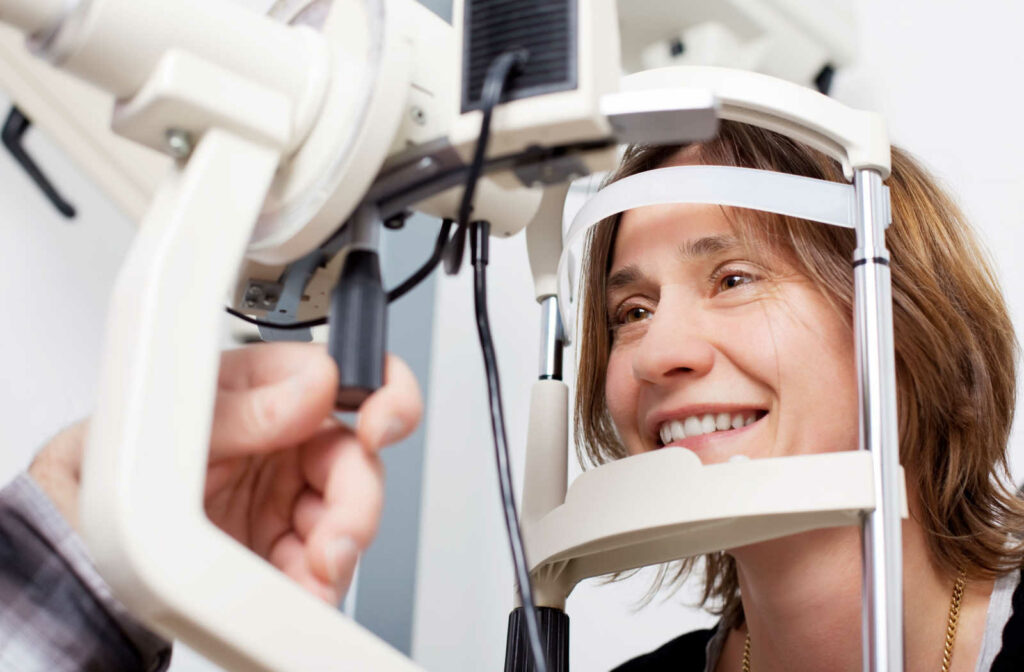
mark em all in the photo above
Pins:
pixel 56 613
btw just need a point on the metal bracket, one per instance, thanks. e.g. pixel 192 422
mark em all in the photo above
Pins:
pixel 262 295
pixel 286 302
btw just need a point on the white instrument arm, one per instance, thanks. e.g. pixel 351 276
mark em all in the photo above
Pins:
pixel 141 503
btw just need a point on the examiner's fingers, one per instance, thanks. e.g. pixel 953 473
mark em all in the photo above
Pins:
pixel 392 412
pixel 353 496
pixel 309 509
pixel 289 555
pixel 262 364
pixel 270 396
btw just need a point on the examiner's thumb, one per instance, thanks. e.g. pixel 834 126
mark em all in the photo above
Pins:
pixel 274 415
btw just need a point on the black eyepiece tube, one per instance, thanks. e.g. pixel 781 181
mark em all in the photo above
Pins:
pixel 358 320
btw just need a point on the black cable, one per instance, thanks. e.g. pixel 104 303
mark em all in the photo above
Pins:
pixel 479 233
pixel 498 74
pixel 453 251
pixel 424 270
pixel 494 86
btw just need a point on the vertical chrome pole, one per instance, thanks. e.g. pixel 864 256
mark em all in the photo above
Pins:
pixel 544 486
pixel 883 544
pixel 552 343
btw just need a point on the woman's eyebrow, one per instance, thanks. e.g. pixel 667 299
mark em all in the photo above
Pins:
pixel 707 246
pixel 624 277
pixel 690 250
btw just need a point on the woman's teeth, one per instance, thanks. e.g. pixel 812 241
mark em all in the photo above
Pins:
pixel 695 425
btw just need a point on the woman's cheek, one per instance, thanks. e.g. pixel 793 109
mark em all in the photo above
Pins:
pixel 620 393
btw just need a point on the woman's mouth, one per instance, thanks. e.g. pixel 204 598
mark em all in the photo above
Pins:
pixel 675 431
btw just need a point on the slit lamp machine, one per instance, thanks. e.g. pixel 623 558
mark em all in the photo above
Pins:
pixel 291 138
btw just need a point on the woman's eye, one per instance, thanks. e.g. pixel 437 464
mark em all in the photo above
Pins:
pixel 634 314
pixel 733 280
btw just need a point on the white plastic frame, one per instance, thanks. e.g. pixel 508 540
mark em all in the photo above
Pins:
pixel 803 197
pixel 857 139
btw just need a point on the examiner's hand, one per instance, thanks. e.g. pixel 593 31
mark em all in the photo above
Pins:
pixel 285 478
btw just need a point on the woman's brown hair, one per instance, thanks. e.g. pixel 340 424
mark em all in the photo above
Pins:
pixel 955 348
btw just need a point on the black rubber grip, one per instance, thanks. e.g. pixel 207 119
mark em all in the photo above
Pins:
pixel 554 633
pixel 358 332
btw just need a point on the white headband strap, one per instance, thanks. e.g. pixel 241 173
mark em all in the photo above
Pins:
pixel 764 190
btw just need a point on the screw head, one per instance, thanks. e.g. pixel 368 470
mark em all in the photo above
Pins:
pixel 396 222
pixel 253 296
pixel 179 143
pixel 418 115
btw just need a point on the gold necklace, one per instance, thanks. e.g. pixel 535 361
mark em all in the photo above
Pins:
pixel 951 624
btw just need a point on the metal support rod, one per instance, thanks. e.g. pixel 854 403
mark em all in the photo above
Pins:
pixel 552 340
pixel 882 538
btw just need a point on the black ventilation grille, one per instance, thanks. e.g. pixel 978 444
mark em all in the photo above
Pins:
pixel 544 28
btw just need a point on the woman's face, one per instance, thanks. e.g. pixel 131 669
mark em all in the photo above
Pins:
pixel 720 349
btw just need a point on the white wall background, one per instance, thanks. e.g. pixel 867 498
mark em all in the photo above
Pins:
pixel 941 70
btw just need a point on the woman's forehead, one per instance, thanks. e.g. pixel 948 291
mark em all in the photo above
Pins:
pixel 697 227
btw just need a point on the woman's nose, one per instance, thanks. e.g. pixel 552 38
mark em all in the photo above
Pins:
pixel 675 345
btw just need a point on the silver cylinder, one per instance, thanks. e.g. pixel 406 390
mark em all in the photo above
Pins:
pixel 552 343
pixel 882 536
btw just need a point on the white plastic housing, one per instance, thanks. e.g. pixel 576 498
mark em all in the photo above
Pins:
pixel 855 138
pixel 790 39
pixel 116 44
pixel 373 46
pixel 554 118
pixel 32 17
pixel 551 119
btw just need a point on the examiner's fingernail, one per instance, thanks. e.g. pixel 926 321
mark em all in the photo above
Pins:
pixel 342 555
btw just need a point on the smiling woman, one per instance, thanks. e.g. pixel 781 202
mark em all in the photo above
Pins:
pixel 709 333
pixel 729 332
